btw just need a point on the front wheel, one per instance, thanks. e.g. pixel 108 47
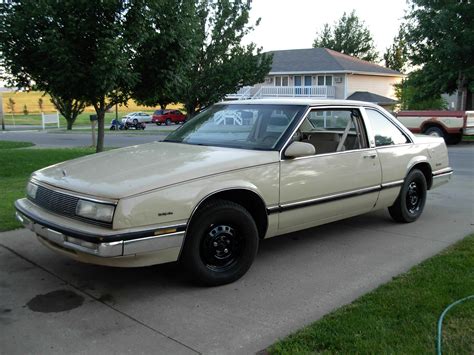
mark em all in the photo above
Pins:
pixel 435 132
pixel 412 198
pixel 221 243
pixel 168 122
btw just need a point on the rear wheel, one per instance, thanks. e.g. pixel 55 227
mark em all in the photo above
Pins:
pixel 412 198
pixel 135 122
pixel 454 138
pixel 158 123
pixel 221 243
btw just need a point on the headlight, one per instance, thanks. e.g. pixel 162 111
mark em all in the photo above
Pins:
pixel 94 210
pixel 31 190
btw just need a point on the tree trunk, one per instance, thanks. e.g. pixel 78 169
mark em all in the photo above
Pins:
pixel 462 93
pixel 100 130
pixel 70 122
pixel 190 110
pixel 163 106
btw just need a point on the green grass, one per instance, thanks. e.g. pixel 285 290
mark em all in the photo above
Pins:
pixel 468 138
pixel 16 167
pixel 13 145
pixel 400 317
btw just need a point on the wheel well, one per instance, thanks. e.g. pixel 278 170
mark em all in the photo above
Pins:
pixel 432 124
pixel 252 202
pixel 425 168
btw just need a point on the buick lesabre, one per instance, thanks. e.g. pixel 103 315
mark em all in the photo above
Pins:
pixel 235 174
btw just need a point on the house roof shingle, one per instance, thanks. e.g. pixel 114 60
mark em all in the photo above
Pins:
pixel 371 97
pixel 323 60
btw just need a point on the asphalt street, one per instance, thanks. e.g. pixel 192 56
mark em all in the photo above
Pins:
pixel 50 304
pixel 52 138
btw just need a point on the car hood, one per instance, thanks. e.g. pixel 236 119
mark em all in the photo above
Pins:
pixel 128 171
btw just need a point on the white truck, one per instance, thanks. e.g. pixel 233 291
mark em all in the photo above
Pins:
pixel 451 125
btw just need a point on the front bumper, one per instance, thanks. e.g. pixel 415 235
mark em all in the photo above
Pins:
pixel 109 246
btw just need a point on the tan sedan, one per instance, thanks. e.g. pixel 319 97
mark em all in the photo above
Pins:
pixel 233 175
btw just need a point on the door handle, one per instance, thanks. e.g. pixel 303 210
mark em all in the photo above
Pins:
pixel 371 155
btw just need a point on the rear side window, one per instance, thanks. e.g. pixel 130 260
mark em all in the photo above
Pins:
pixel 385 132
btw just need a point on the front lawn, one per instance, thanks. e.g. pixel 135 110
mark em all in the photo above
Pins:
pixel 400 317
pixel 16 167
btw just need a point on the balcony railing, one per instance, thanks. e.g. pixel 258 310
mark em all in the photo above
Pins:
pixel 322 92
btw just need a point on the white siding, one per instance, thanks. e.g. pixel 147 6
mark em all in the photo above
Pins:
pixel 380 85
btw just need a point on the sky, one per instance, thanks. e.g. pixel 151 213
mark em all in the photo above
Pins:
pixel 292 24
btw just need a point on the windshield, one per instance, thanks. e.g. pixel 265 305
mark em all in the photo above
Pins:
pixel 253 126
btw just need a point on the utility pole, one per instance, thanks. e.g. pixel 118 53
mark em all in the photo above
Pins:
pixel 1 111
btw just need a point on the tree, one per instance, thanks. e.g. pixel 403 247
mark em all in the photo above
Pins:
pixel 25 110
pixel 11 105
pixel 164 51
pixel 40 104
pixel 348 35
pixel 396 56
pixel 75 49
pixel 69 108
pixel 220 64
pixel 411 97
pixel 440 37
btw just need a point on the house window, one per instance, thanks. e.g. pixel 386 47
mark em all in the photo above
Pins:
pixel 281 81
pixel 324 80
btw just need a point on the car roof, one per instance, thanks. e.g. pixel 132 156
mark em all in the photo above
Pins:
pixel 299 101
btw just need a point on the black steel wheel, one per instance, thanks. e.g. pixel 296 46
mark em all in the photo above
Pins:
pixel 221 243
pixel 412 198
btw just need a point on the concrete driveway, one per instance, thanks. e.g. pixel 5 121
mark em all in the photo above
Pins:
pixel 50 304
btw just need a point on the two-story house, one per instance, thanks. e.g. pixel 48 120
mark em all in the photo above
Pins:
pixel 322 73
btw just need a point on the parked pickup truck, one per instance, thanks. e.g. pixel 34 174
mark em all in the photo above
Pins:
pixel 451 125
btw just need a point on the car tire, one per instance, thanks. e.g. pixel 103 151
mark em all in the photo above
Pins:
pixel 158 123
pixel 434 131
pixel 412 198
pixel 168 122
pixel 221 243
pixel 135 122
pixel 453 139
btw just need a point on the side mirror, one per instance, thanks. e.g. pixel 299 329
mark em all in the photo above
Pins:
pixel 299 149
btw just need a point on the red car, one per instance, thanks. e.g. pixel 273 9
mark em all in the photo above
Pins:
pixel 168 117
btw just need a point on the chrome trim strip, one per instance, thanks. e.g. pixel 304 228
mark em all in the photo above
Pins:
pixel 106 201
pixel 390 184
pixel 323 199
pixel 449 173
pixel 328 154
pixel 145 245
pixel 443 171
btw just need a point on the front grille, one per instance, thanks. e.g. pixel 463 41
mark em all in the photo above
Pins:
pixel 56 201
pixel 62 204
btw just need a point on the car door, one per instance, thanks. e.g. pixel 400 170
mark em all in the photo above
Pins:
pixel 341 180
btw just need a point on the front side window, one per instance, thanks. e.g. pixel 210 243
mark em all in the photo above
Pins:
pixel 385 132
pixel 252 126
pixel 331 131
